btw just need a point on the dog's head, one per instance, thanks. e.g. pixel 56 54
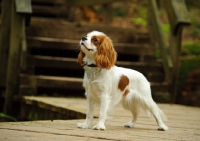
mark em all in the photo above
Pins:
pixel 97 46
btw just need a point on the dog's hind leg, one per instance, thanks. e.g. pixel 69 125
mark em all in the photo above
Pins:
pixel 135 112
pixel 134 107
pixel 156 112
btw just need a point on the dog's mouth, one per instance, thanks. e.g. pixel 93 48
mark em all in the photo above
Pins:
pixel 86 47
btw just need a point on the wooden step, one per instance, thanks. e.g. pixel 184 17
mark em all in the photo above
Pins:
pixel 71 63
pixel 51 82
pixel 71 3
pixel 73 45
pixel 53 11
pixel 44 27
pixel 31 83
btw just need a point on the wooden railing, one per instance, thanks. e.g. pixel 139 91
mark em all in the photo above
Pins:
pixel 178 18
pixel 13 47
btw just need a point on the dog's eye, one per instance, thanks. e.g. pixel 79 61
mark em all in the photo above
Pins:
pixel 94 39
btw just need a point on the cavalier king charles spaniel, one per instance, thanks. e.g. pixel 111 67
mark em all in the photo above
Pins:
pixel 106 84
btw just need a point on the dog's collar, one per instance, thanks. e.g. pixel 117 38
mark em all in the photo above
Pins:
pixel 91 65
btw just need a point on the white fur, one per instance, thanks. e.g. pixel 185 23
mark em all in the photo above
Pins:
pixel 101 87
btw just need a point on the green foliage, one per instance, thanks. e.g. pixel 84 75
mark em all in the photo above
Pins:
pixel 119 13
pixel 187 66
pixel 139 21
pixel 195 32
pixel 158 55
pixel 7 117
pixel 191 48
pixel 33 116
pixel 165 96
pixel 166 28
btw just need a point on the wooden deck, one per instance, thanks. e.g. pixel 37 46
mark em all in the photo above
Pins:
pixel 183 122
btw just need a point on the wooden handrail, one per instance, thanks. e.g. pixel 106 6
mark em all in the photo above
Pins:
pixel 178 17
pixel 156 31
pixel 17 45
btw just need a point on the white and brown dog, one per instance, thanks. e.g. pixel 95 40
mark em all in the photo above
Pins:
pixel 106 84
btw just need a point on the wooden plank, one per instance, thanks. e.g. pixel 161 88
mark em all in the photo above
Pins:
pixel 69 44
pixel 58 11
pixel 65 30
pixel 70 83
pixel 71 63
pixel 74 2
pixel 4 39
pixel 177 14
pixel 52 82
pixel 145 127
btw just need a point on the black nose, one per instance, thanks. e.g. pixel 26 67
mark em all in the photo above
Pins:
pixel 84 38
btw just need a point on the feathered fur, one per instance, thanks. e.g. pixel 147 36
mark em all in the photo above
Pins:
pixel 108 84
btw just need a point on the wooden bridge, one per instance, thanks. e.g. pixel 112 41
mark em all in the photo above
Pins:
pixel 183 122
pixel 39 48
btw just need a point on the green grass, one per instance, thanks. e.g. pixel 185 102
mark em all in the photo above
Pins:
pixel 7 117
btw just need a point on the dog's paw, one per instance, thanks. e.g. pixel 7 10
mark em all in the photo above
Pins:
pixel 162 128
pixel 129 124
pixel 83 125
pixel 99 126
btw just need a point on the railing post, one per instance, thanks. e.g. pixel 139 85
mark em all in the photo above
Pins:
pixel 13 69
pixel 178 17
pixel 17 45
pixel 156 31
pixel 4 39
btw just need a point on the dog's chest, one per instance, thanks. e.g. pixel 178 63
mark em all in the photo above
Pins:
pixel 92 72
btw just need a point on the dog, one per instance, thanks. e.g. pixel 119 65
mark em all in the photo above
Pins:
pixel 107 85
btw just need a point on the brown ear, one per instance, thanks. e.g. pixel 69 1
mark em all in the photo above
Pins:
pixel 80 58
pixel 106 54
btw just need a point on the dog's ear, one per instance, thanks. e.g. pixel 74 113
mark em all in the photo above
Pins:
pixel 106 54
pixel 80 58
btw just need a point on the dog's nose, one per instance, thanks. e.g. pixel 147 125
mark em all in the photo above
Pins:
pixel 84 38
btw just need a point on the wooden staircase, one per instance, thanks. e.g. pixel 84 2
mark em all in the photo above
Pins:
pixel 53 46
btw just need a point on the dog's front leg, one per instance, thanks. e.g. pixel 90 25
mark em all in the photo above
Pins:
pixel 105 100
pixel 89 116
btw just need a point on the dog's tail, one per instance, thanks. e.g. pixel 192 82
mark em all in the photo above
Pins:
pixel 160 112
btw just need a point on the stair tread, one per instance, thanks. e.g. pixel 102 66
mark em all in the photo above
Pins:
pixel 66 59
pixel 70 79
pixel 70 44
pixel 52 78
pixel 71 63
pixel 45 27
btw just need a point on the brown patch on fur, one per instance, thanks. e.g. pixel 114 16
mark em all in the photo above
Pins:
pixel 80 58
pixel 106 54
pixel 123 82
pixel 126 93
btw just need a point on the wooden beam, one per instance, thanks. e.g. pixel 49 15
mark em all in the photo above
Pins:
pixel 107 13
pixel 175 49
pixel 13 69
pixel 178 17
pixel 156 30
pixel 4 39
